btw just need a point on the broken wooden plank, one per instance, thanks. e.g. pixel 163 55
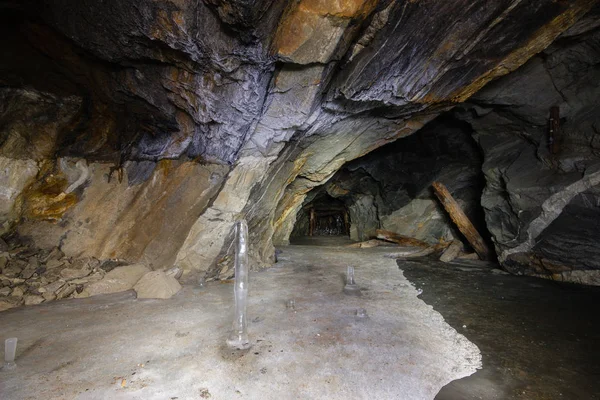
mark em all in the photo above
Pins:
pixel 451 251
pixel 413 253
pixel 400 239
pixel 368 244
pixel 464 225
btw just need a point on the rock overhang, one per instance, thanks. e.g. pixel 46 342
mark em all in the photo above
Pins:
pixel 280 94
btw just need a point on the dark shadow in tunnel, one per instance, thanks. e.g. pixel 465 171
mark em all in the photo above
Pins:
pixel 323 216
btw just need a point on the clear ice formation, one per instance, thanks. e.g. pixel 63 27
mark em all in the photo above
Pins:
pixel 238 339
pixel 10 350
pixel 350 276
pixel 290 304
pixel 351 287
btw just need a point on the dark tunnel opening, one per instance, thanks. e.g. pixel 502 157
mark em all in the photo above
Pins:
pixel 390 189
pixel 323 216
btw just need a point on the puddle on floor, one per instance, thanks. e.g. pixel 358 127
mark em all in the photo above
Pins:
pixel 539 339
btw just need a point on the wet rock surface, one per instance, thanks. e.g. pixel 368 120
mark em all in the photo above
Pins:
pixel 539 188
pixel 538 339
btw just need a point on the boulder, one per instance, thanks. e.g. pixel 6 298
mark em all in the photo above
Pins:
pixel 28 272
pixel 94 277
pixel 156 285
pixel 33 262
pixel 13 281
pixel 87 262
pixel 31 300
pixel 468 256
pixel 55 254
pixel 118 280
pixel 66 291
pixel 51 264
pixel 49 296
pixel 175 272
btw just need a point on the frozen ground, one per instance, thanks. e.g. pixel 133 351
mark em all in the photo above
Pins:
pixel 118 347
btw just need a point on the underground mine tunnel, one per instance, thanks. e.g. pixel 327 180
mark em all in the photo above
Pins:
pixel 311 199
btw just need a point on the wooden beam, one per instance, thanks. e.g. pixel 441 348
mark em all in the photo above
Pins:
pixel 554 130
pixel 346 223
pixel 399 239
pixel 451 252
pixel 464 225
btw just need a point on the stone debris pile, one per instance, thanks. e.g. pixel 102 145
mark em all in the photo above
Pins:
pixel 30 276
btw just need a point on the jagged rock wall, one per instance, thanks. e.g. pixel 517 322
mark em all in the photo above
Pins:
pixel 542 208
pixel 269 99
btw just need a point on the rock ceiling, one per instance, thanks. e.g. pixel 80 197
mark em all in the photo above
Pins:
pixel 192 114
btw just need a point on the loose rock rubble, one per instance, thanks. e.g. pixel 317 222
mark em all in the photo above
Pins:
pixel 30 276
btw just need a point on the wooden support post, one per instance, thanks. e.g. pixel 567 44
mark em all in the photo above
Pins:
pixel 461 220
pixel 554 130
pixel 346 223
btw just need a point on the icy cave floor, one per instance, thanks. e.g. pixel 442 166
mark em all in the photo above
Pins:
pixel 119 347
pixel 538 339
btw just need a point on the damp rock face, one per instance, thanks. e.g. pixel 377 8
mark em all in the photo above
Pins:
pixel 541 199
pixel 142 130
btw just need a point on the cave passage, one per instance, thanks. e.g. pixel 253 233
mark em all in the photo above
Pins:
pixel 328 222
pixel 136 134
pixel 390 189
pixel 324 216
